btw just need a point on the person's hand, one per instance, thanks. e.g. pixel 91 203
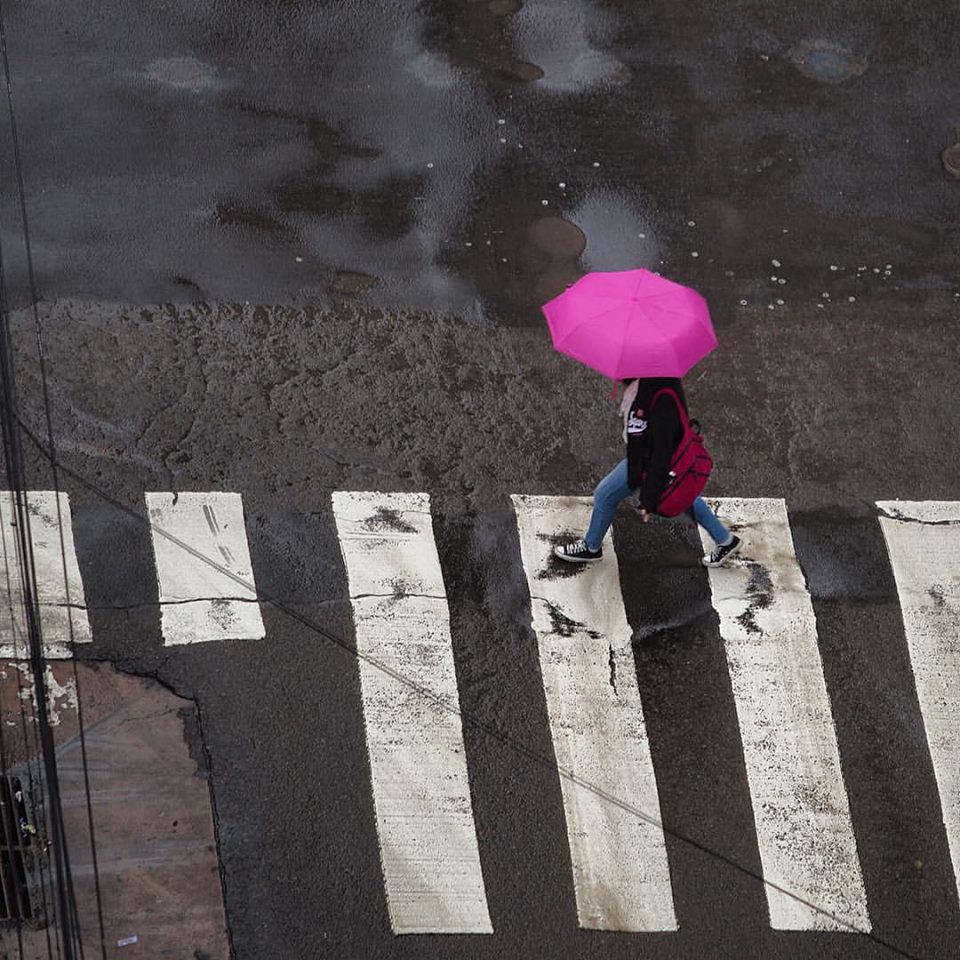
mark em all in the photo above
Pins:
pixel 644 515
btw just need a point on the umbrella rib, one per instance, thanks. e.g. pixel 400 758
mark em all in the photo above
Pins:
pixel 641 280
pixel 594 318
pixel 656 322
pixel 623 344
pixel 666 313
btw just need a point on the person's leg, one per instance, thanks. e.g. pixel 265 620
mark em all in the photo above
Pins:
pixel 609 492
pixel 710 522
pixel 727 543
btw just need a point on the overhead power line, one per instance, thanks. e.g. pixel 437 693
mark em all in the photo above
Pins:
pixel 70 942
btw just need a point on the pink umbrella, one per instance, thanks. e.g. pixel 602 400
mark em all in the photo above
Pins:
pixel 632 323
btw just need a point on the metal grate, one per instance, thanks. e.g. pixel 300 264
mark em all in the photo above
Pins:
pixel 16 836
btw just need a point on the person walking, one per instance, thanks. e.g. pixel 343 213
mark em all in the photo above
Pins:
pixel 652 432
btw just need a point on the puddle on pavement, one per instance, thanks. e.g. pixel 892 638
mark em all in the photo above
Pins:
pixel 185 73
pixel 569 44
pixel 826 61
pixel 308 144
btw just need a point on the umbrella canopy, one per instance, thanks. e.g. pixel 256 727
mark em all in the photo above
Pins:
pixel 632 323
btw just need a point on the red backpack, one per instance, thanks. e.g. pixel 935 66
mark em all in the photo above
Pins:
pixel 690 465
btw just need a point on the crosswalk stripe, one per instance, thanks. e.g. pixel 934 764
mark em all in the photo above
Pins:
pixel 421 792
pixel 800 807
pixel 63 615
pixel 923 541
pixel 620 871
pixel 198 602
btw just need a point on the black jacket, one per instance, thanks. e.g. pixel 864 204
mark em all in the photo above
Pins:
pixel 653 436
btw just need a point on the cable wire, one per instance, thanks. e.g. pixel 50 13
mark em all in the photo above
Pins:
pixel 6 768
pixel 34 792
pixel 28 583
pixel 34 299
pixel 64 902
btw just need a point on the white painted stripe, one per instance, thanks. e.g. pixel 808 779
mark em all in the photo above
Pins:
pixel 620 873
pixel 421 792
pixel 63 615
pixel 197 601
pixel 923 540
pixel 800 807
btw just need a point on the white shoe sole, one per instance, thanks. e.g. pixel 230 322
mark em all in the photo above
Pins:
pixel 733 552
pixel 563 556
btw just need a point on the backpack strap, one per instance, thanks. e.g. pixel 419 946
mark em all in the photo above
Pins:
pixel 684 419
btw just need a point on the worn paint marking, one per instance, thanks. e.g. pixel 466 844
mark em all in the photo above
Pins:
pixel 421 791
pixel 620 873
pixel 923 541
pixel 61 697
pixel 800 807
pixel 63 615
pixel 198 602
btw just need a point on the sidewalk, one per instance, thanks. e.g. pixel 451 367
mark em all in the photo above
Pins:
pixel 155 845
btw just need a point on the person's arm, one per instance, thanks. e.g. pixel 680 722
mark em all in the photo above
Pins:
pixel 663 428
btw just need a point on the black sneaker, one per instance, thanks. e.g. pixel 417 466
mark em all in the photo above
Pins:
pixel 721 555
pixel 577 552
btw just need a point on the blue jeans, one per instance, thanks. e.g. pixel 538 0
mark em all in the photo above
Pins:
pixel 613 488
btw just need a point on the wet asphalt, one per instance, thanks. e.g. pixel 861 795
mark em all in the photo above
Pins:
pixel 287 248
